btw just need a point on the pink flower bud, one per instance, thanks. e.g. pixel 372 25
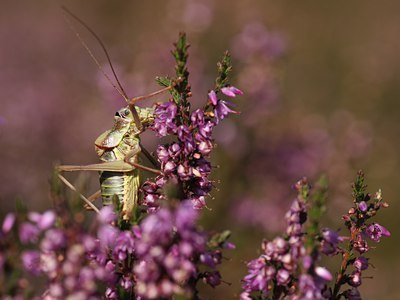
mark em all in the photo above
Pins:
pixel 231 91
pixel 213 97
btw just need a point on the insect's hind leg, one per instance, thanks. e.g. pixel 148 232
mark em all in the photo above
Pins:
pixel 86 200
pixel 92 198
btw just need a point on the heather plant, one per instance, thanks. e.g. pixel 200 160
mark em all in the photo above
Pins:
pixel 290 266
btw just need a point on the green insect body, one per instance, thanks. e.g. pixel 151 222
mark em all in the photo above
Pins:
pixel 122 144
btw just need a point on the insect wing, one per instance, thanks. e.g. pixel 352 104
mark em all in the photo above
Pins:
pixel 111 138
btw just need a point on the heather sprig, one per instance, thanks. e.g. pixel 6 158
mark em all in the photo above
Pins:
pixel 286 267
pixel 185 160
pixel 290 265
pixel 357 220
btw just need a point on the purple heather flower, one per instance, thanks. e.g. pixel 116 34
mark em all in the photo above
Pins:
pixel 174 150
pixel 184 133
pixel 307 262
pixel 169 167
pixel 203 167
pixel 198 202
pixel 205 147
pixel 185 216
pixel 162 154
pixel 107 235
pixel 222 110
pixel 282 277
pixel 167 252
pixel 355 279
pixel 207 259
pixel 361 263
pixel 111 293
pixel 330 241
pixel 107 215
pixel 55 291
pixel 165 116
pixel 231 91
pixel 352 294
pixel 202 186
pixel 206 129
pixel 259 275
pixel 28 233
pixel 155 228
pixel 363 206
pixel 197 117
pixel 245 296
pixel 331 236
pixel 184 171
pixel 360 245
pixel 53 240
pixel 8 223
pixel 124 246
pixel 43 221
pixel 228 245
pixel 212 278
pixel 126 283
pixel 323 273
pixel 308 288
pixel 213 97
pixel 376 231
pixel 31 261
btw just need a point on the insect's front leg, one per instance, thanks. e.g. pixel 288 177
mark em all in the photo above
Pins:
pixel 131 158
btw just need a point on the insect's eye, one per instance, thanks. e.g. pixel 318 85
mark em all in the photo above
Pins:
pixel 126 112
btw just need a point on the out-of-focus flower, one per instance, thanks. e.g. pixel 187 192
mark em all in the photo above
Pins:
pixel 43 221
pixel 8 223
pixel 330 241
pixel 323 273
pixel 167 251
pixel 352 294
pixel 28 233
pixel 31 261
pixel 106 215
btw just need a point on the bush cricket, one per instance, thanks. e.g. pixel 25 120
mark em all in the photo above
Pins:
pixel 119 147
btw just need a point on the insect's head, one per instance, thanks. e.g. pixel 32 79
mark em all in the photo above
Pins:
pixel 125 113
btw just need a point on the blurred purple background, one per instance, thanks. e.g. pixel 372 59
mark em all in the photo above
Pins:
pixel 321 83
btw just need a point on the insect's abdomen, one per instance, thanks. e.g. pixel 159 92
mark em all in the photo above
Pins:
pixel 123 185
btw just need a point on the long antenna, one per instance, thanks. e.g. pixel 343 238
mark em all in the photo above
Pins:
pixel 119 89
